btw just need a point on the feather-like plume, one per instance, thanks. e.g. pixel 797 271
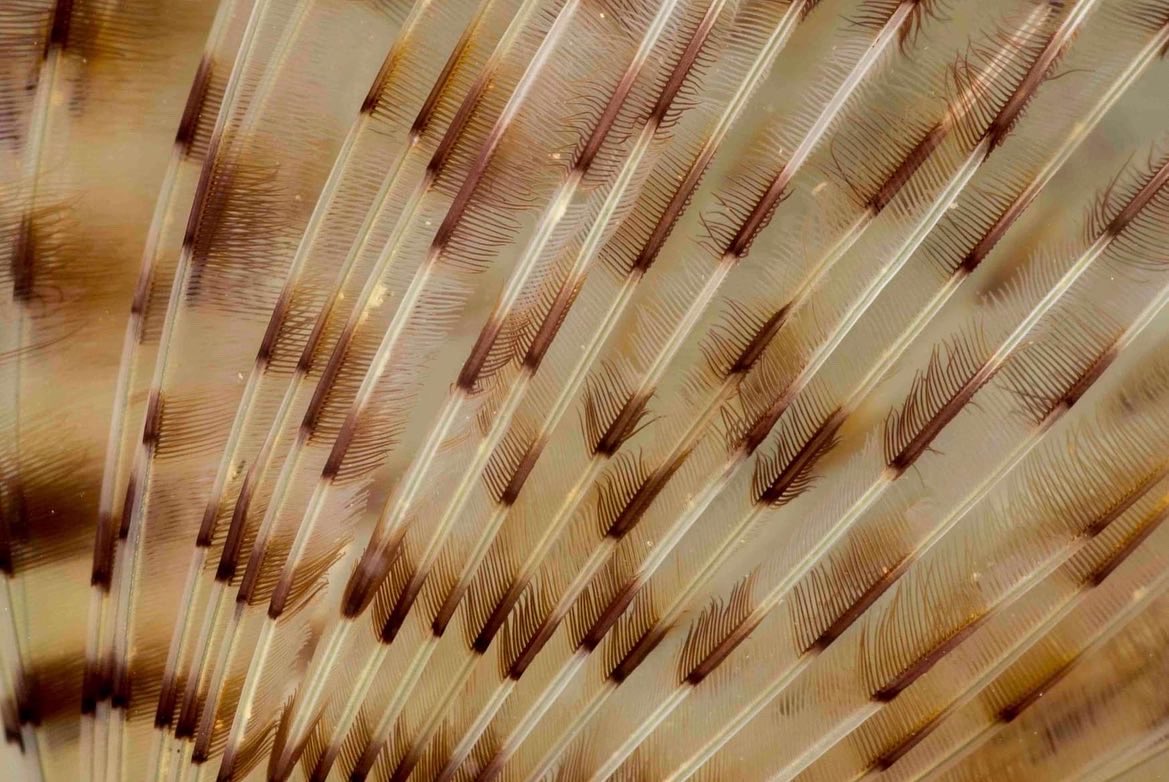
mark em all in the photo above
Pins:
pixel 1061 375
pixel 581 389
pixel 478 368
pixel 452 257
pixel 218 266
pixel 790 474
pixel 615 407
pixel 285 334
pixel 72 71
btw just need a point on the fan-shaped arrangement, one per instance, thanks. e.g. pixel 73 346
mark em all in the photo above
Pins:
pixel 584 389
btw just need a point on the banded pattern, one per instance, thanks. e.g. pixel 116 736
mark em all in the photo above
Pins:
pixel 584 389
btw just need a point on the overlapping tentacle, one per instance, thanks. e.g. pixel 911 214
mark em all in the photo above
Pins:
pixel 528 389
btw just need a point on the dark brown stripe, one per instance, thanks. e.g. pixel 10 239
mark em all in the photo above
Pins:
pixel 1139 201
pixel 760 213
pixel 103 553
pixel 495 621
pixel 462 199
pixel 1129 499
pixel 153 423
pixel 374 94
pixel 202 193
pixel 13 523
pixel 95 687
pixel 59 31
pixel 426 113
pixel 207 525
pixel 978 253
pixel 233 544
pixel 27 704
pixel 138 304
pixel 469 374
pixel 795 472
pixel 921 441
pixel 272 331
pixel 638 653
pixel 623 426
pixel 677 204
pixel 684 65
pixel 511 492
pixel 45 519
pixel 23 261
pixel 45 693
pixel 1001 125
pixel 121 693
pixel 1011 712
pixel 316 406
pixel 533 647
pixel 551 323
pixel 320 771
pixel 1105 569
pixel 207 528
pixel 401 610
pixel 251 576
pixel 406 766
pixel 723 650
pixel 886 759
pixel 639 503
pixel 1047 416
pixel 446 611
pixel 341 445
pixel 492 768
pixel 6 558
pixel 859 606
pixel 304 364
pixel 164 713
pixel 364 583
pixel 596 633
pixel 280 593
pixel 365 763
pixel 188 718
pixel 446 144
pixel 757 433
pixel 11 723
pixel 759 342
pixel 372 570
pixel 909 166
pixel 592 145
pixel 132 489
pixel 898 683
pixel 462 117
pixel 189 123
